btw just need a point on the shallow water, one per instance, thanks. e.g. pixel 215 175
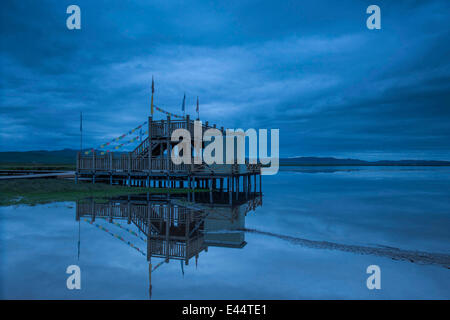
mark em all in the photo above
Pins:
pixel 317 231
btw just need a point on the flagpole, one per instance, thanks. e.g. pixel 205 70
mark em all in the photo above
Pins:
pixel 153 91
pixel 81 131
pixel 198 110
pixel 183 106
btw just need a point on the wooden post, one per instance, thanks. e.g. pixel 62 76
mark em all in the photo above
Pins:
pixel 93 166
pixel 150 143
pixel 93 210
pixel 168 222
pixel 93 160
pixel 193 191
pixel 189 189
pixel 168 144
pixel 149 246
pixel 230 187
pixel 237 187
pixel 260 184
pixel 247 180
pixel 188 220
pixel 110 212
pixel 78 208
pixel 129 210
pixel 149 272
pixel 160 142
pixel 210 191
pixel 244 184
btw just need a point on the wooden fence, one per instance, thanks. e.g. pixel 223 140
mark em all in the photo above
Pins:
pixel 164 128
pixel 132 163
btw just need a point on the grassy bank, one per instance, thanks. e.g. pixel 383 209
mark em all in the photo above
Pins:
pixel 37 191
pixel 36 166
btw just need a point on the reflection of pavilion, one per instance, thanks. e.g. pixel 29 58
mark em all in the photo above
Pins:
pixel 175 228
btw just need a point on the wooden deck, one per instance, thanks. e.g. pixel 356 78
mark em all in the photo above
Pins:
pixel 149 164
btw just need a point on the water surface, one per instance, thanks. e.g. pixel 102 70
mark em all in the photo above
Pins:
pixel 313 237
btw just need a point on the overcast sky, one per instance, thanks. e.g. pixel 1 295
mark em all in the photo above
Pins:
pixel 313 70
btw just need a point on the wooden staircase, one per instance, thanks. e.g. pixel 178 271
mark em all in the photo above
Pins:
pixel 143 148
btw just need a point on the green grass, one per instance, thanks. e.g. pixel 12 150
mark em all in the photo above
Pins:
pixel 38 191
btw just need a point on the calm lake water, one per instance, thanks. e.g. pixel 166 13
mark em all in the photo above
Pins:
pixel 313 237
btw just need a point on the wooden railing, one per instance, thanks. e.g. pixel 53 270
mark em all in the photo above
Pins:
pixel 176 248
pixel 131 163
pixel 172 249
pixel 140 212
pixel 164 128
pixel 175 213
pixel 128 163
pixel 136 163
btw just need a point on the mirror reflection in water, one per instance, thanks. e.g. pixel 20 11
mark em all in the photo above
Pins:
pixel 174 227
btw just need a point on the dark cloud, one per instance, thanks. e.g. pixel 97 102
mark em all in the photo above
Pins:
pixel 313 70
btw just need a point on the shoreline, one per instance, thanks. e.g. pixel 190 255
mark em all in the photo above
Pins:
pixel 41 191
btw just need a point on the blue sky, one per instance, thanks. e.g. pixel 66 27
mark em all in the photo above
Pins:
pixel 313 70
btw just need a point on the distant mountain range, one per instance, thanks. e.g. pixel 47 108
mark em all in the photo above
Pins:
pixel 68 156
pixel 330 161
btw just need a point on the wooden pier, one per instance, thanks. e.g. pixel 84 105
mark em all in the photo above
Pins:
pixel 150 165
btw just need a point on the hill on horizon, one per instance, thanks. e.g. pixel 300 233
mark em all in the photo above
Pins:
pixel 68 156
pixel 330 161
